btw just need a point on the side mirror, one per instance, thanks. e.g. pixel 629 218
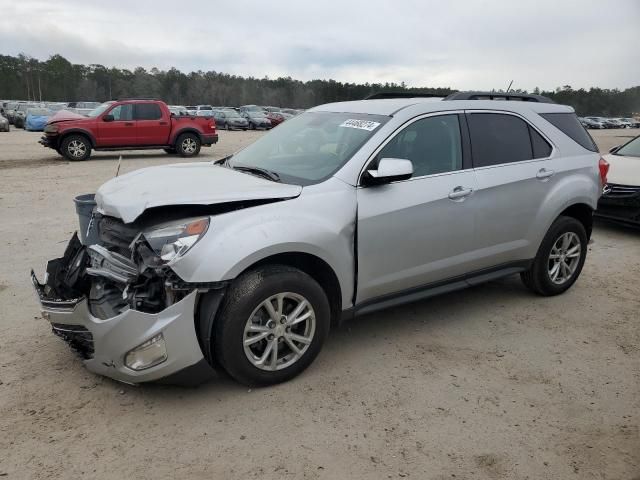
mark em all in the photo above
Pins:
pixel 389 170
pixel 108 118
pixel 614 149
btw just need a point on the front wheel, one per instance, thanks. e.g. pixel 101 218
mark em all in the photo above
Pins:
pixel 560 258
pixel 188 145
pixel 271 326
pixel 76 148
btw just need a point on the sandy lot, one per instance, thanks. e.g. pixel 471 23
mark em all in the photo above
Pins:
pixel 487 383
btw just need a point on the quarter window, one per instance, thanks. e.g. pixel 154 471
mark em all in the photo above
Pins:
pixel 541 148
pixel 433 145
pixel 148 111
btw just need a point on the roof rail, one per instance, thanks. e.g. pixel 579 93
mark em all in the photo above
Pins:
pixel 138 98
pixel 384 95
pixel 521 97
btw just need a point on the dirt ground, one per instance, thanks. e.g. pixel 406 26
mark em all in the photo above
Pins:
pixel 487 383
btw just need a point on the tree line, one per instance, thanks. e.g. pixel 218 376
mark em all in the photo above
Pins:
pixel 56 79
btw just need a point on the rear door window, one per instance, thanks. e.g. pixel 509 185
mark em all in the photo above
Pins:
pixel 569 124
pixel 498 138
pixel 147 111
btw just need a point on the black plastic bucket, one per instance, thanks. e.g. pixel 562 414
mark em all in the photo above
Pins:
pixel 84 209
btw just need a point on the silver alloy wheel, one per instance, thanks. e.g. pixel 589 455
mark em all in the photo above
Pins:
pixel 279 331
pixel 189 145
pixel 564 258
pixel 77 148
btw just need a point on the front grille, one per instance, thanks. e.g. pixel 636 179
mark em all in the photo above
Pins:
pixel 616 190
pixel 79 338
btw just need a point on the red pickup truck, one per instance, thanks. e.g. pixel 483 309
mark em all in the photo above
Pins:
pixel 128 125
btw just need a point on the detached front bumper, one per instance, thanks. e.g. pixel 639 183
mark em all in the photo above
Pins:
pixel 103 344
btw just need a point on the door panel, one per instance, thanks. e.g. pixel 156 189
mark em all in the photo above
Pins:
pixel 411 233
pixel 512 186
pixel 121 131
pixel 152 127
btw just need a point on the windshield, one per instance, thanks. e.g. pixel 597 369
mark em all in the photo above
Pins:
pixel 311 147
pixel 631 149
pixel 99 110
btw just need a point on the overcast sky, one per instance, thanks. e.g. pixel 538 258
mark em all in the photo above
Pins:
pixel 472 44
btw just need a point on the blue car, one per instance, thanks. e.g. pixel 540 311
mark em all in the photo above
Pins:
pixel 36 119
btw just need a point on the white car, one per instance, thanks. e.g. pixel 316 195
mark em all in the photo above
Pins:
pixel 620 199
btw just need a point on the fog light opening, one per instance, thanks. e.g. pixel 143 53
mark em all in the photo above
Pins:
pixel 148 354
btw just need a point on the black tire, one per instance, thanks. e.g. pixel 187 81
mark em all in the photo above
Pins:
pixel 183 143
pixel 251 126
pixel 170 151
pixel 76 148
pixel 226 126
pixel 244 296
pixel 538 278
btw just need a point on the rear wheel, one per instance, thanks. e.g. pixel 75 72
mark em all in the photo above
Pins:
pixel 271 326
pixel 560 258
pixel 188 145
pixel 76 148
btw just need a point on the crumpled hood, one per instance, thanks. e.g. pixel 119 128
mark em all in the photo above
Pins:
pixel 623 170
pixel 200 183
pixel 65 115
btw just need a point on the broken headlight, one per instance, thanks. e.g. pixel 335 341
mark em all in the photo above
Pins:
pixel 173 241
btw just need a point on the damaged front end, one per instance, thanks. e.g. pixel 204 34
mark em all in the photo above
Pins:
pixel 119 304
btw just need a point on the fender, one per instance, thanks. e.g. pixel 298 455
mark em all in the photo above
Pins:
pixel 567 191
pixel 237 240
pixel 65 133
pixel 175 135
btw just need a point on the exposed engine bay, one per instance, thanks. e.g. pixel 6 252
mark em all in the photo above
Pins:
pixel 121 271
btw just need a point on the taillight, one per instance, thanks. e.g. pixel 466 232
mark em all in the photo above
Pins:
pixel 212 125
pixel 603 166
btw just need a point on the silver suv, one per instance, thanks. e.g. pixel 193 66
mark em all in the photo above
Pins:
pixel 243 264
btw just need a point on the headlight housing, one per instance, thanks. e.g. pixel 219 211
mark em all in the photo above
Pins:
pixel 51 128
pixel 173 241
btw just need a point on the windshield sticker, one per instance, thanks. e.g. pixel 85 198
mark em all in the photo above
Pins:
pixel 367 125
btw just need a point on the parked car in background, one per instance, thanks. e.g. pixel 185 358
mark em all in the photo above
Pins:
pixel 128 125
pixel 635 123
pixel 620 199
pixel 272 109
pixel 626 122
pixel 290 111
pixel 21 113
pixel 230 120
pixel 178 110
pixel 347 209
pixel 82 108
pixel 10 111
pixel 4 124
pixel 36 119
pixel 204 108
pixel 276 118
pixel 251 108
pixel 257 120
pixel 595 122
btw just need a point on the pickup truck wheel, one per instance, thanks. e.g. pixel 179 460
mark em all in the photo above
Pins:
pixel 271 325
pixel 76 148
pixel 188 145
pixel 560 258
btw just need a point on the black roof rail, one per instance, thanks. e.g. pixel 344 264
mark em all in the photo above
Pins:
pixel 384 95
pixel 138 98
pixel 520 97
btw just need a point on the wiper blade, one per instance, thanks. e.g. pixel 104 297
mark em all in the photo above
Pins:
pixel 273 176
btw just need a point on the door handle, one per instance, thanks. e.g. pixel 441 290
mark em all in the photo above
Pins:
pixel 459 193
pixel 129 124
pixel 543 174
